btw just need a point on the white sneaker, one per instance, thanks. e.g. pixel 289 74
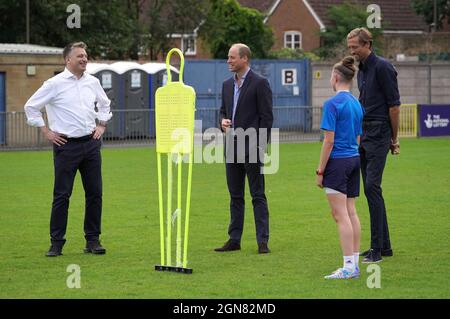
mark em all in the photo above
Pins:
pixel 340 273
pixel 356 273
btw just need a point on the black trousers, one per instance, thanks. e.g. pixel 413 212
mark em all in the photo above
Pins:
pixel 81 154
pixel 236 173
pixel 374 147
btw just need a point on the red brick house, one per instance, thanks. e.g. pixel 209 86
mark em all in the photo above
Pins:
pixel 298 23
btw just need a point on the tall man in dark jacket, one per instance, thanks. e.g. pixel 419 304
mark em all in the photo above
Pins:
pixel 245 115
pixel 379 95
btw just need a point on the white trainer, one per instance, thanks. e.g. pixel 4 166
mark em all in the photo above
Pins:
pixel 341 273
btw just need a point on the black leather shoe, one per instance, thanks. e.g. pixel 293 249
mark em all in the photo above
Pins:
pixel 374 256
pixel 94 247
pixel 263 249
pixel 387 252
pixel 54 251
pixel 230 245
pixel 384 253
pixel 365 253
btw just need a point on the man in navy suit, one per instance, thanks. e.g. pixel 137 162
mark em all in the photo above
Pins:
pixel 246 116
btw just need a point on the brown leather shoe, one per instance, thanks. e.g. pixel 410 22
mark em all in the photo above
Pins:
pixel 263 249
pixel 230 245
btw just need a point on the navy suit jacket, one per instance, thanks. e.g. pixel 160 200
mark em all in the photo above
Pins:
pixel 254 107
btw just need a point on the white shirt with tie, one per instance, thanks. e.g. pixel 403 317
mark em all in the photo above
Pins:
pixel 70 104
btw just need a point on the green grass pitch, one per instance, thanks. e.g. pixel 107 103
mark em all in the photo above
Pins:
pixel 303 236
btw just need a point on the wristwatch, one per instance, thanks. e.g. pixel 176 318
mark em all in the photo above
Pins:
pixel 318 172
pixel 102 123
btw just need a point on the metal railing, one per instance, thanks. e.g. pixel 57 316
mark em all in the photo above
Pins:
pixel 137 127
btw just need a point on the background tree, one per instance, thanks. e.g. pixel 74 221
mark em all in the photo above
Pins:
pixel 426 9
pixel 293 54
pixel 12 22
pixel 136 13
pixel 345 18
pixel 156 40
pixel 166 17
pixel 187 15
pixel 106 29
pixel 227 23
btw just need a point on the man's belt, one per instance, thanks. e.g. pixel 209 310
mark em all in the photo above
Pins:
pixel 373 122
pixel 78 139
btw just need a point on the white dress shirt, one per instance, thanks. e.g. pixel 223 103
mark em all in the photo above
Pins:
pixel 69 103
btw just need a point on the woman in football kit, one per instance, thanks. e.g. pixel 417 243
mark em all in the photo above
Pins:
pixel 339 166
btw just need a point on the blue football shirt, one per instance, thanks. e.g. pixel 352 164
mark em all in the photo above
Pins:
pixel 343 115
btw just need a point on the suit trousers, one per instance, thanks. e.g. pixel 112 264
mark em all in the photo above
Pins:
pixel 81 154
pixel 374 148
pixel 236 173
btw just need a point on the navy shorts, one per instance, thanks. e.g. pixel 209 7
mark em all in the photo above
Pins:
pixel 342 175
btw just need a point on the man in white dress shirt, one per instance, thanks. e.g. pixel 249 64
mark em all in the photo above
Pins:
pixel 73 100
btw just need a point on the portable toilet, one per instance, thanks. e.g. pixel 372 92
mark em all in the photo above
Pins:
pixel 136 98
pixel 157 73
pixel 131 88
pixel 112 83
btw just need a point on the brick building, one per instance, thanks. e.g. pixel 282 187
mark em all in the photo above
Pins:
pixel 298 23
pixel 24 68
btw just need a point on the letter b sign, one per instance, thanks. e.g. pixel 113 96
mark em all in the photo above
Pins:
pixel 289 76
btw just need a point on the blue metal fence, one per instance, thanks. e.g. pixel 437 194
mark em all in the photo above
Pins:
pixel 290 81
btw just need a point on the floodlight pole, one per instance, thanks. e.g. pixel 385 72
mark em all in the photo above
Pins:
pixel 435 16
pixel 28 21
